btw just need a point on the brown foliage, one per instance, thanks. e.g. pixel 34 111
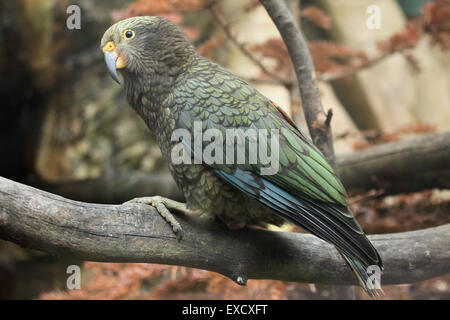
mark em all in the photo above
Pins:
pixel 317 16
pixel 437 22
pixel 332 57
pixel 328 57
pixel 334 61
pixel 112 281
pixel 405 39
pixel 276 49
pixel 167 7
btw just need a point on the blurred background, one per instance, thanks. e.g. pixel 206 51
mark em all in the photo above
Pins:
pixel 65 126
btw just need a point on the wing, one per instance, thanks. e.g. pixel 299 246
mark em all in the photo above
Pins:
pixel 304 190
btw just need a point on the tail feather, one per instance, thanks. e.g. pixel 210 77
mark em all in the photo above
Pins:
pixel 330 222
pixel 361 274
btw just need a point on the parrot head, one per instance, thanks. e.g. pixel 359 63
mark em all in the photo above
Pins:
pixel 145 45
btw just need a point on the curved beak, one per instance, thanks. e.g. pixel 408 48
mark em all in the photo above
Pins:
pixel 113 60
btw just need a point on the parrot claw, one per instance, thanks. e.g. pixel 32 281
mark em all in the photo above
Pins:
pixel 162 205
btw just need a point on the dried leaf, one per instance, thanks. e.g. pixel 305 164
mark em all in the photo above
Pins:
pixel 437 22
pixel 276 49
pixel 405 39
pixel 317 16
pixel 329 57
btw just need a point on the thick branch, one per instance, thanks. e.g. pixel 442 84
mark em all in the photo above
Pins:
pixel 136 233
pixel 304 69
pixel 398 167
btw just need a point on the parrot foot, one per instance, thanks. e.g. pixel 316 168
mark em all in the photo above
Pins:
pixel 162 205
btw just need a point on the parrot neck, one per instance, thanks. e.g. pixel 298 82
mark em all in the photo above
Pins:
pixel 151 90
pixel 148 91
pixel 152 96
pixel 152 99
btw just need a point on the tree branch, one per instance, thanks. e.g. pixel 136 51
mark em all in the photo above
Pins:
pixel 136 233
pixel 398 167
pixel 315 116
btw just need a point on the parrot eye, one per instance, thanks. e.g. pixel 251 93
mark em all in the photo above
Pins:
pixel 128 34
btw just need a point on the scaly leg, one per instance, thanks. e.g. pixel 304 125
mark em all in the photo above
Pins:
pixel 162 205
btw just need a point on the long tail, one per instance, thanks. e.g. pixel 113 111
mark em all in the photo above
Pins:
pixel 331 222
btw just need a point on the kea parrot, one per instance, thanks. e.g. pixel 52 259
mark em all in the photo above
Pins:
pixel 172 88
